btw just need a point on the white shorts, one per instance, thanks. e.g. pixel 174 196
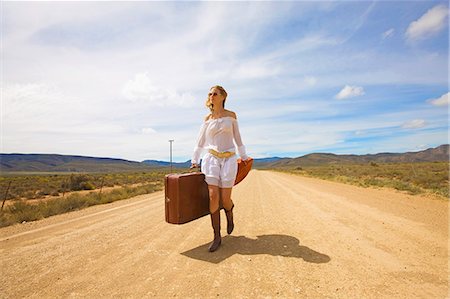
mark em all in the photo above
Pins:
pixel 219 171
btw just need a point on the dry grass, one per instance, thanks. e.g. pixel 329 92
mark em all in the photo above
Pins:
pixel 29 185
pixel 415 178
pixel 29 210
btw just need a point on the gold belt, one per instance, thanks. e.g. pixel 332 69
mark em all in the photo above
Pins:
pixel 221 154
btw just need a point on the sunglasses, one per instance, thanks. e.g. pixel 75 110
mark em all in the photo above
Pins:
pixel 214 94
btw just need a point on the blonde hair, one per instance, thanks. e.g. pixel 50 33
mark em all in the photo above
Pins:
pixel 208 102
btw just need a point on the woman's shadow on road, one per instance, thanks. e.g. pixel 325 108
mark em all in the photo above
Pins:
pixel 276 245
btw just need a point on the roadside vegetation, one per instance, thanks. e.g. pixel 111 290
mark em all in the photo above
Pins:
pixel 36 196
pixel 414 178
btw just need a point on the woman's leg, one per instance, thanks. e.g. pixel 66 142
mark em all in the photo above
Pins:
pixel 213 198
pixel 215 216
pixel 225 194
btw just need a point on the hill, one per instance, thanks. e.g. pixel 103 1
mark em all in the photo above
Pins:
pixel 69 163
pixel 66 163
pixel 261 162
pixel 440 153
pixel 157 163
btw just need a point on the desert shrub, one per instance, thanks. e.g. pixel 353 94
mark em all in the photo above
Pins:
pixel 44 192
pixel 30 195
pixel 62 205
pixel 87 186
pixel 6 219
pixel 77 182
pixel 24 212
pixel 374 182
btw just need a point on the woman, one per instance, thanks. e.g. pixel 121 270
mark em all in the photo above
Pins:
pixel 219 164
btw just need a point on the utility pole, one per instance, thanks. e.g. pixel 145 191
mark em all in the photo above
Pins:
pixel 171 141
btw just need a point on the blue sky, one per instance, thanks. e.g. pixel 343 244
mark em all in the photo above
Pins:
pixel 119 79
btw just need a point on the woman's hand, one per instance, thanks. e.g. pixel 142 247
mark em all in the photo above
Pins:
pixel 194 165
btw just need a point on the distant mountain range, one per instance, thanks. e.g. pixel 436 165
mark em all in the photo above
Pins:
pixel 440 153
pixel 156 163
pixel 68 163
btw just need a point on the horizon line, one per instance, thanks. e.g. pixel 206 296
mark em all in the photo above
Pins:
pixel 73 155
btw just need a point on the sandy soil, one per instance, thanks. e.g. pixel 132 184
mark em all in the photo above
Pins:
pixel 294 237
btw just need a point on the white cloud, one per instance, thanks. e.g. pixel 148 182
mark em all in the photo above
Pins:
pixel 148 131
pixel 349 92
pixel 388 33
pixel 414 124
pixel 142 89
pixel 265 139
pixel 37 109
pixel 442 101
pixel 306 43
pixel 419 147
pixel 255 70
pixel 40 102
pixel 310 80
pixel 428 24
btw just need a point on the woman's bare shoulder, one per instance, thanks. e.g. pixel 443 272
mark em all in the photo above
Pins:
pixel 231 113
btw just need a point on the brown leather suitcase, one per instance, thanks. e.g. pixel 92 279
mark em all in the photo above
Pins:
pixel 186 197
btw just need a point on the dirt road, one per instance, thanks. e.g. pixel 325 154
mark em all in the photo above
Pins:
pixel 294 237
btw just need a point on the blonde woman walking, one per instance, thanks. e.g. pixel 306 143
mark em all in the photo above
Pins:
pixel 218 134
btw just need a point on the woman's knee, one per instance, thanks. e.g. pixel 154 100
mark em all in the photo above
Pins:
pixel 213 192
pixel 225 194
pixel 213 198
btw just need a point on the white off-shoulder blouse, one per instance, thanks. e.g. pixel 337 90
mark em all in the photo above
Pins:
pixel 218 134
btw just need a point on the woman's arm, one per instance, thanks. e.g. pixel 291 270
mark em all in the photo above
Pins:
pixel 200 145
pixel 238 141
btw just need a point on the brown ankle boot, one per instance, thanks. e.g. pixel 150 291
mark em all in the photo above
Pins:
pixel 215 221
pixel 230 223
